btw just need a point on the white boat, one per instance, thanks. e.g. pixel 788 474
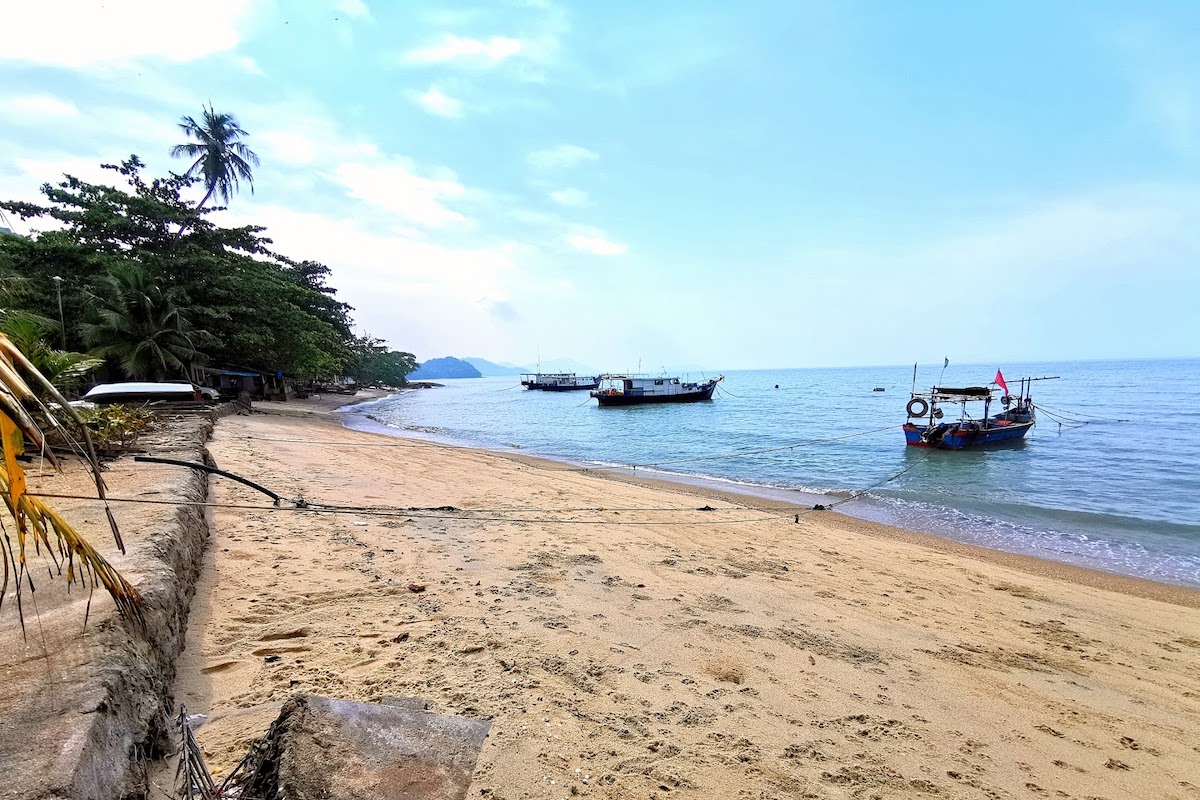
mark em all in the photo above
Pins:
pixel 558 381
pixel 632 390
pixel 142 392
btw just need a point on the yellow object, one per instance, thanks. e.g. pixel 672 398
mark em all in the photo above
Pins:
pixel 14 445
pixel 33 517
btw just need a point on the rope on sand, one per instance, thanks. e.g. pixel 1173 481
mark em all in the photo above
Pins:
pixel 477 515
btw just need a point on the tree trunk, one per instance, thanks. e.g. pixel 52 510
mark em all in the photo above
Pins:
pixel 200 205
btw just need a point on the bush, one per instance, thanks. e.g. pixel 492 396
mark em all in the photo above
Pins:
pixel 114 428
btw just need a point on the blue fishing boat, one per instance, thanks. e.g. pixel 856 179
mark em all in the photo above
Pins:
pixel 1013 422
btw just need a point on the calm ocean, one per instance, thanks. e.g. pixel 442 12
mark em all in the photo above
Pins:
pixel 1121 496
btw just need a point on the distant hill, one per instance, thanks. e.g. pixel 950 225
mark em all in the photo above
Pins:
pixel 489 369
pixel 447 367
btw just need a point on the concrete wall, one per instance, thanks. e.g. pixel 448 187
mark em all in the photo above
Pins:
pixel 81 709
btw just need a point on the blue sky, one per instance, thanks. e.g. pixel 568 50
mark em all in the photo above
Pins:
pixel 724 185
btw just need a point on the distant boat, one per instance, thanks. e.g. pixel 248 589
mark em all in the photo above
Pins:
pixel 558 381
pixel 879 389
pixel 632 390
pixel 1016 420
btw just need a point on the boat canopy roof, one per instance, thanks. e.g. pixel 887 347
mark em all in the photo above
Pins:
pixel 981 390
pixel 637 376
pixel 946 393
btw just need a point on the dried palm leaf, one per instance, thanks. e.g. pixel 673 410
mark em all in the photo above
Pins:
pixel 10 356
pixel 34 519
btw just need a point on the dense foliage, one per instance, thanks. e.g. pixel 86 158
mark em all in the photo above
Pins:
pixel 149 283
pixel 374 363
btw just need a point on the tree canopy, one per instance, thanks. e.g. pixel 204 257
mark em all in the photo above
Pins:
pixel 215 294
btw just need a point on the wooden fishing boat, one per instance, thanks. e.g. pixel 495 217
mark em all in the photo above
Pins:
pixel 1013 422
pixel 558 381
pixel 632 390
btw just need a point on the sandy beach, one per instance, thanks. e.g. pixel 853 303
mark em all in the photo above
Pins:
pixel 625 643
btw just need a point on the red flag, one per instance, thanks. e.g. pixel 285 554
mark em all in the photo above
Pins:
pixel 1000 381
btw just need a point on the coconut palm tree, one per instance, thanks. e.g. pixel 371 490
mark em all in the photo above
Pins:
pixel 138 324
pixel 220 158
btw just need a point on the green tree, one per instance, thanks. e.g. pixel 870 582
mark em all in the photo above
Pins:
pixel 221 159
pixel 258 308
pixel 375 363
pixel 137 324
pixel 65 370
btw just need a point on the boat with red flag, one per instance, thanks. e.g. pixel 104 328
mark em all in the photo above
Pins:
pixel 976 425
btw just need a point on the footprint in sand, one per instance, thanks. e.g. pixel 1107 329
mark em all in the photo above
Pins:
pixel 224 666
pixel 298 633
pixel 273 651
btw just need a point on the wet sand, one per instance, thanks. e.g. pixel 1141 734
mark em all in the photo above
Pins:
pixel 626 644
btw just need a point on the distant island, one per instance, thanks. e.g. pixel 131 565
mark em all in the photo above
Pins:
pixel 451 367
pixel 448 367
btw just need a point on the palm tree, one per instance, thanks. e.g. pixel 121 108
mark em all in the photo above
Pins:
pixel 137 324
pixel 29 333
pixel 220 158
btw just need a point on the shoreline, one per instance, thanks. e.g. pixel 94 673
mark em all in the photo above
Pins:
pixel 631 640
pixel 1133 585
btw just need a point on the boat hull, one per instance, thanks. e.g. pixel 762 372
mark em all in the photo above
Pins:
pixel 959 437
pixel 566 388
pixel 700 396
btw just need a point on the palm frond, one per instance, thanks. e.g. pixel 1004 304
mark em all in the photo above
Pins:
pixel 220 157
pixel 33 517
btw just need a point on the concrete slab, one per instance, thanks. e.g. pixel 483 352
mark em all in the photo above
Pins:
pixel 325 748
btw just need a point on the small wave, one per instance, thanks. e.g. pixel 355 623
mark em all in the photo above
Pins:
pixel 361 406
pixel 1104 550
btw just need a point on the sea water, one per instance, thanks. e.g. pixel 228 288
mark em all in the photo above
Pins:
pixel 1120 493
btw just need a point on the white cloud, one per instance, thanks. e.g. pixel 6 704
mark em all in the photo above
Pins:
pixel 69 139
pixel 379 256
pixel 287 146
pixel 307 137
pixel 563 156
pixel 248 64
pixel 355 9
pixel 35 109
pixel 465 50
pixel 65 33
pixel 387 183
pixel 438 103
pixel 391 185
pixel 576 198
pixel 596 243
pixel 428 297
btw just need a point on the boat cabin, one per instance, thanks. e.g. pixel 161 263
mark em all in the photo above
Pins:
pixel 632 385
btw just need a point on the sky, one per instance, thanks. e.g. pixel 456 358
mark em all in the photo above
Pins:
pixel 749 185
